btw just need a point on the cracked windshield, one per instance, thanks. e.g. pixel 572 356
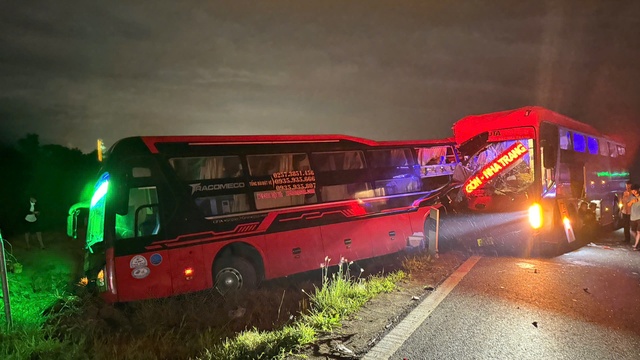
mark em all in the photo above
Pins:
pixel 501 168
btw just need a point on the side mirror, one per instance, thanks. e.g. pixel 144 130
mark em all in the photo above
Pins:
pixel 550 156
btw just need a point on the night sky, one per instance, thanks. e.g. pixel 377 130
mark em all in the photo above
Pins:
pixel 73 71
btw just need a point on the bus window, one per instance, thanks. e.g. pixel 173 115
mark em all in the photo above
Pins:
pixel 579 143
pixel 95 233
pixel 592 145
pixel 346 184
pixel 613 152
pixel 263 165
pixel 345 192
pixel 436 161
pixel 206 168
pixel 338 160
pixel 565 139
pixel 604 148
pixel 294 182
pixel 390 158
pixel 224 204
pixel 432 156
pixel 548 176
pixel 397 186
pixel 515 178
pixel 400 181
pixel 143 204
pixel 141 172
pixel 621 150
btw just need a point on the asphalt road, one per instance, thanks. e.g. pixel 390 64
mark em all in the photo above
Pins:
pixel 582 305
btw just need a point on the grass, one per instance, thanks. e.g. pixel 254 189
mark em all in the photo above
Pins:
pixel 341 296
pixel 274 323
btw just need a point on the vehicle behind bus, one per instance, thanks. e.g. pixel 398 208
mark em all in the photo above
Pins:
pixel 523 177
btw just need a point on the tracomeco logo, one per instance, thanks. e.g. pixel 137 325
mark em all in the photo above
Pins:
pixel 214 187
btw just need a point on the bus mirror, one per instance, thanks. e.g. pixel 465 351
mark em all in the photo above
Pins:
pixel 549 154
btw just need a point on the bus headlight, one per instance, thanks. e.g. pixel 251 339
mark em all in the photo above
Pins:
pixel 535 216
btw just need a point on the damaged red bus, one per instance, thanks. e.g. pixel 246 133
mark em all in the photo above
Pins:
pixel 179 214
pixel 523 175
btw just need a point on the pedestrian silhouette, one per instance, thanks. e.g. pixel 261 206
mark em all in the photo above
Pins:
pixel 33 226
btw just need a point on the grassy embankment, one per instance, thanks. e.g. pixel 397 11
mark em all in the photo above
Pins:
pixel 55 320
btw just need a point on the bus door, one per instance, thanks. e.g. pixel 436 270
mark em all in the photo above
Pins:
pixel 139 223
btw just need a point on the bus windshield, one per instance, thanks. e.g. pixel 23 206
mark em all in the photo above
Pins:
pixel 501 168
pixel 97 212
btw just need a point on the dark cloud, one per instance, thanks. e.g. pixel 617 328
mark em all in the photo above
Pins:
pixel 74 71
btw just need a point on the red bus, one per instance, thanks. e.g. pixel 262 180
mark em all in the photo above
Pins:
pixel 178 214
pixel 524 174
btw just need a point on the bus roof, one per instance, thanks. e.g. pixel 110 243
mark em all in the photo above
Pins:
pixel 152 141
pixel 433 142
pixel 473 125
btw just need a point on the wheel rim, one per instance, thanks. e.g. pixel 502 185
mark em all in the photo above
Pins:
pixel 228 279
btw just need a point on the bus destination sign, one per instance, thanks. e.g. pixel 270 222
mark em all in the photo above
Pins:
pixel 501 162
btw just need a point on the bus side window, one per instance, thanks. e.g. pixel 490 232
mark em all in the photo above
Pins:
pixel 338 163
pixel 565 139
pixel 604 148
pixel 398 176
pixel 613 152
pixel 207 168
pixel 148 221
pixel 290 188
pixel 143 203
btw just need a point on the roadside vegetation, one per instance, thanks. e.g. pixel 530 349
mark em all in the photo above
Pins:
pixel 54 320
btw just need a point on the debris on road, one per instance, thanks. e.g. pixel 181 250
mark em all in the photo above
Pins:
pixel 586 290
pixel 600 246
pixel 340 350
pixel 535 323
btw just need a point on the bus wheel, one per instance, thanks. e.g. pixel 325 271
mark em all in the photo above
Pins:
pixel 233 275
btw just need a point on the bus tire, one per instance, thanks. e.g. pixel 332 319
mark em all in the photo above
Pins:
pixel 234 274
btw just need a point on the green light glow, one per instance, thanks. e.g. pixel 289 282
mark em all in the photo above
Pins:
pixel 95 229
pixel 614 174
pixel 101 191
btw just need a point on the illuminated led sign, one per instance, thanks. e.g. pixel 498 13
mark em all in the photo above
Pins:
pixel 614 174
pixel 498 165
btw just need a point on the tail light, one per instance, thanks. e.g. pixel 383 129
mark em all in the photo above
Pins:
pixel 535 216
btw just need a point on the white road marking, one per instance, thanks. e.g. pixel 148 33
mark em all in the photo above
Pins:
pixel 396 337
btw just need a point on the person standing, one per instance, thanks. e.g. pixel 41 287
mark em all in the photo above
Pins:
pixel 32 223
pixel 634 216
pixel 626 196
